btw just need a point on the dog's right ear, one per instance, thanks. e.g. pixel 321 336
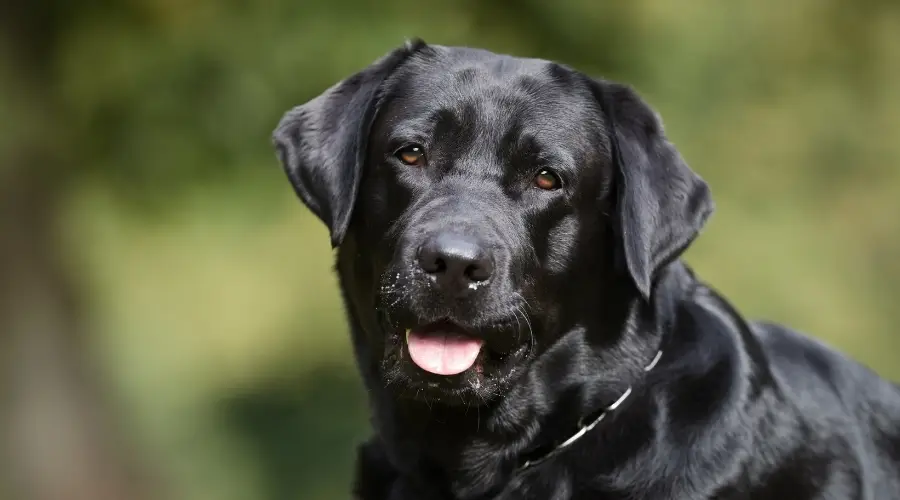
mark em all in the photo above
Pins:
pixel 322 144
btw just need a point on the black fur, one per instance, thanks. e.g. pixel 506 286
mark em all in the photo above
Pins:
pixel 586 286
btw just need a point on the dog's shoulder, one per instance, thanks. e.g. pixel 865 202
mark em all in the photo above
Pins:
pixel 840 394
pixel 822 408
pixel 805 362
pixel 800 362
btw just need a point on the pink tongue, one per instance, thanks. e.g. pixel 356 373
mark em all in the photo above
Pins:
pixel 442 353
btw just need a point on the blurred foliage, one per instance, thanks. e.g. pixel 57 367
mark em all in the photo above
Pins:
pixel 208 288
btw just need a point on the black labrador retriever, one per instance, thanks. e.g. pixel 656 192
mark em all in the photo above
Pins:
pixel 508 234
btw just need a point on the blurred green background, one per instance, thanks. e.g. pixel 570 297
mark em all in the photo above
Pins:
pixel 169 324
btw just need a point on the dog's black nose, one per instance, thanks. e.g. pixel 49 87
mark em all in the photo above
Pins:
pixel 457 262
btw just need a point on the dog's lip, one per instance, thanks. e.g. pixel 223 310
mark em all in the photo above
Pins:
pixel 442 325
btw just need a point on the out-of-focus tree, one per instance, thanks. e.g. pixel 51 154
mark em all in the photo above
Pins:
pixel 60 435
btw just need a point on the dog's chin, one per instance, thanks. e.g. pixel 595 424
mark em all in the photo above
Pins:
pixel 442 362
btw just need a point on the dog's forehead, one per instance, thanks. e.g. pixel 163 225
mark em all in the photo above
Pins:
pixel 495 92
pixel 474 68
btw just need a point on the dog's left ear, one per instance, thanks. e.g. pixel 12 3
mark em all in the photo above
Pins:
pixel 322 144
pixel 661 203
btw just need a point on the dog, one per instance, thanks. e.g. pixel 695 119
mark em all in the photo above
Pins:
pixel 509 234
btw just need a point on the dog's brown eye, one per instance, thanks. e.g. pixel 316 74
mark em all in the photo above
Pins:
pixel 413 156
pixel 547 180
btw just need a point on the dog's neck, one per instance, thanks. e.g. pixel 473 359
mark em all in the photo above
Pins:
pixel 490 446
pixel 543 453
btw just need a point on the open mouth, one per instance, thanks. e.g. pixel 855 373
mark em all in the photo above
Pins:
pixel 443 348
pixel 459 364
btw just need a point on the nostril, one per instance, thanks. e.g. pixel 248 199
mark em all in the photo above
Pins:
pixel 433 266
pixel 431 260
pixel 478 272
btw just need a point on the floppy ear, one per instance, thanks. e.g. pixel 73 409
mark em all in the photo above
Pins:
pixel 322 144
pixel 661 203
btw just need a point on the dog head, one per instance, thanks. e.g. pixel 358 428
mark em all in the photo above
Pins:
pixel 485 205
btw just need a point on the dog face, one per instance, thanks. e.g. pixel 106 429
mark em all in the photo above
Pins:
pixel 485 206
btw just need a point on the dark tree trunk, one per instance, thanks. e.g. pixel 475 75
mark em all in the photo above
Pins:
pixel 58 433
